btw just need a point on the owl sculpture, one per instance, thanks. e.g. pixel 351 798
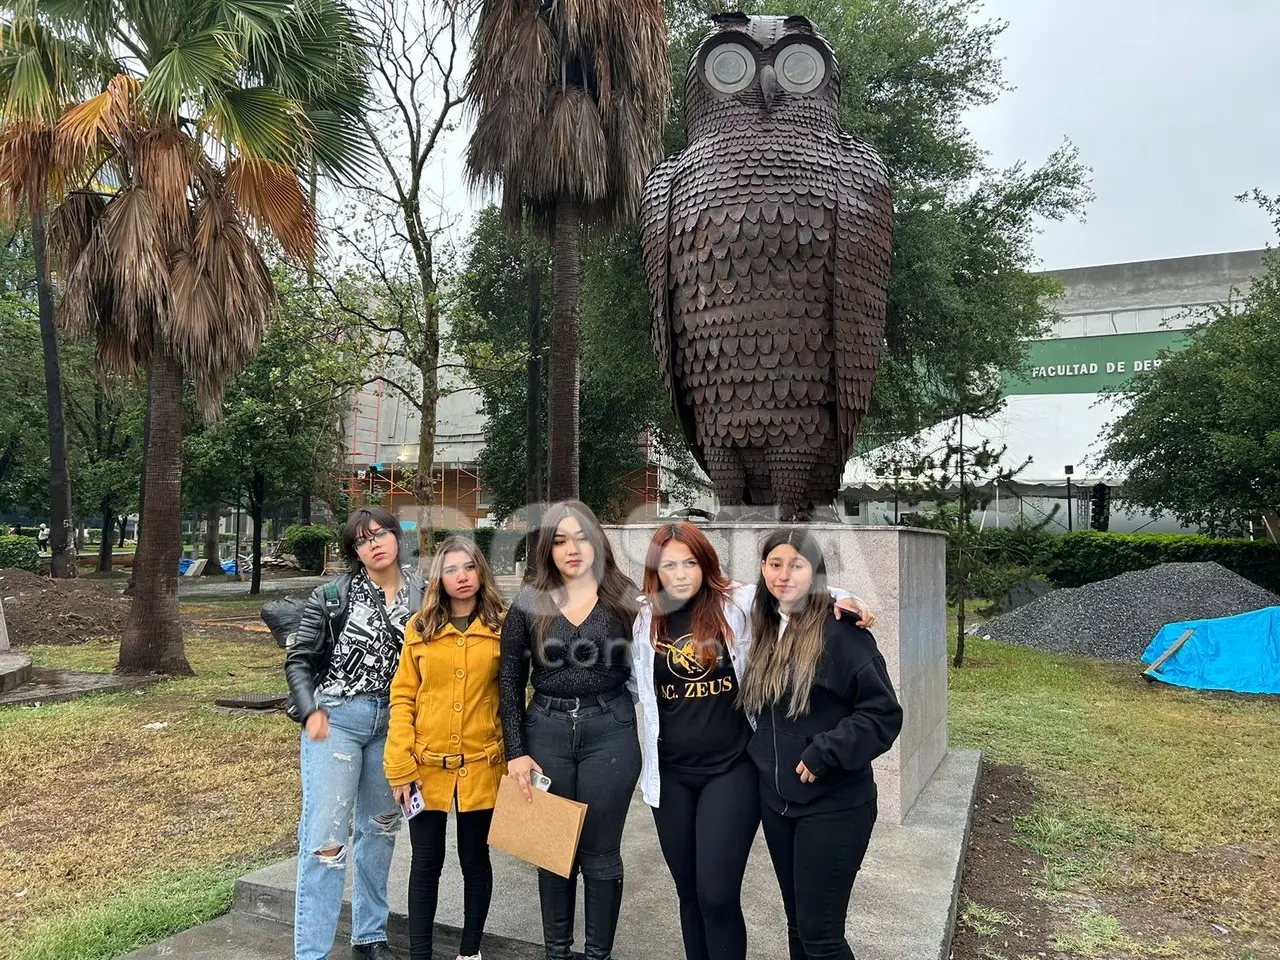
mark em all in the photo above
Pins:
pixel 767 247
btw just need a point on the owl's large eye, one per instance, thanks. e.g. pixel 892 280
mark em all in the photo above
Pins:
pixel 801 68
pixel 730 67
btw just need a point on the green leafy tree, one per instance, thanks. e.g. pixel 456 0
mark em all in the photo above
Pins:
pixel 280 432
pixel 24 449
pixel 623 402
pixel 105 416
pixel 1200 434
pixel 186 123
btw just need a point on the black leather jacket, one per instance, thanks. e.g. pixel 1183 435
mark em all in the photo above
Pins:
pixel 306 663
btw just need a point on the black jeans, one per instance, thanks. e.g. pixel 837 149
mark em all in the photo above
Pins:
pixel 816 858
pixel 592 755
pixel 706 825
pixel 589 749
pixel 426 831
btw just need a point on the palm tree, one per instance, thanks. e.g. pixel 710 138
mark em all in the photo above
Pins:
pixel 27 136
pixel 570 97
pixel 176 162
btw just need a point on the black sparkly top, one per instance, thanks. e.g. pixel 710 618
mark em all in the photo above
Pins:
pixel 587 660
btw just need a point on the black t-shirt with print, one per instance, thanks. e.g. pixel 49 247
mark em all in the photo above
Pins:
pixel 701 729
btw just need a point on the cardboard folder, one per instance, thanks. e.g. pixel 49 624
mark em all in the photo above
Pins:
pixel 544 833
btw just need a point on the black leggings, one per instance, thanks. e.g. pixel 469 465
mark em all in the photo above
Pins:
pixel 705 826
pixel 816 858
pixel 426 831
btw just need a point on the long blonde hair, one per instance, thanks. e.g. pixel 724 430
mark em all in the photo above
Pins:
pixel 792 659
pixel 436 607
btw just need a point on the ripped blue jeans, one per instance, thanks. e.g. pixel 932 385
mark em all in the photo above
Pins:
pixel 344 789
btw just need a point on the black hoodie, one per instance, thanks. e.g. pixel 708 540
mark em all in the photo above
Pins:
pixel 853 717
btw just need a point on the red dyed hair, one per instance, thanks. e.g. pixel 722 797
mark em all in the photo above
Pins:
pixel 709 623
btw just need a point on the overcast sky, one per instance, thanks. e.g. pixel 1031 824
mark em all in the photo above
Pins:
pixel 1173 105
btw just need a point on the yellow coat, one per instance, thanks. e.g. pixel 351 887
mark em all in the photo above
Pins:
pixel 444 728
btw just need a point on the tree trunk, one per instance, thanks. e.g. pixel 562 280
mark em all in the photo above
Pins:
pixel 124 530
pixel 108 535
pixel 563 369
pixel 959 661
pixel 257 494
pixel 152 641
pixel 428 368
pixel 304 506
pixel 533 406
pixel 142 484
pixel 63 562
pixel 212 546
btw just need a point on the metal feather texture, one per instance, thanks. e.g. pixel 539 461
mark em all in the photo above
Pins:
pixel 767 246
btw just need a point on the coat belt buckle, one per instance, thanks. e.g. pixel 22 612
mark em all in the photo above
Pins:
pixel 453 761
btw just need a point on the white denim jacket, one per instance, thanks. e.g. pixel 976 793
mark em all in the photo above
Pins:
pixel 737 614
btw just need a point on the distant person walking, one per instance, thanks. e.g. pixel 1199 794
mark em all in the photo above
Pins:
pixel 340 670
pixel 42 538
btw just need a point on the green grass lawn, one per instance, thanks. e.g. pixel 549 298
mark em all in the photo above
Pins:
pixel 1158 809
pixel 127 817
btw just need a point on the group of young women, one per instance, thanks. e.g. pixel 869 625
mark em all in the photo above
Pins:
pixel 759 703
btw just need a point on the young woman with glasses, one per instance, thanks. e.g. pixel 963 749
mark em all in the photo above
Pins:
pixel 340 669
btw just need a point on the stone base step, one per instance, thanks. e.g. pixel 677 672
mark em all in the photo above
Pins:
pixel 903 908
pixel 15 670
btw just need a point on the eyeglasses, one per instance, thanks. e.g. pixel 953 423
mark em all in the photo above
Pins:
pixel 372 537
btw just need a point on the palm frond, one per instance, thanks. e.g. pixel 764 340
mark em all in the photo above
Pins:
pixel 570 154
pixel 190 67
pixel 26 151
pixel 340 147
pixel 166 169
pixel 72 225
pixel 259 121
pixel 101 121
pixel 226 256
pixel 271 194
pixel 139 262
pixel 583 88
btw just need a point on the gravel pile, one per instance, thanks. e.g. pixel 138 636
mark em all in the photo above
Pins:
pixel 40 610
pixel 1115 619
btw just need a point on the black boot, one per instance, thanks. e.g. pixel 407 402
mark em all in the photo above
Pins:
pixel 602 900
pixel 374 951
pixel 558 897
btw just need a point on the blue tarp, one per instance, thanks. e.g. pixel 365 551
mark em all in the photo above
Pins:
pixel 1240 653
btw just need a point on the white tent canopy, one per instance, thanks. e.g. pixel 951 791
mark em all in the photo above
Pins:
pixel 1053 430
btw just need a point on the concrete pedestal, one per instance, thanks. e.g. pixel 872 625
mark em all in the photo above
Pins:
pixel 900 572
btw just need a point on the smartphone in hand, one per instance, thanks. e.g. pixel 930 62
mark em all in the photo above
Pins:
pixel 540 781
pixel 414 804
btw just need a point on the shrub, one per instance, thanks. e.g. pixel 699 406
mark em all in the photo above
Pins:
pixel 19 553
pixel 308 542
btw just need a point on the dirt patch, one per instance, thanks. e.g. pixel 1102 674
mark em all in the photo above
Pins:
pixel 40 610
pixel 1000 916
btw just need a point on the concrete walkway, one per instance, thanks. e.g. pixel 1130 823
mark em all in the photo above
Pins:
pixel 226 587
pixel 903 903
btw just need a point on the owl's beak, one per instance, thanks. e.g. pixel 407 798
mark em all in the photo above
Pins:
pixel 769 86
